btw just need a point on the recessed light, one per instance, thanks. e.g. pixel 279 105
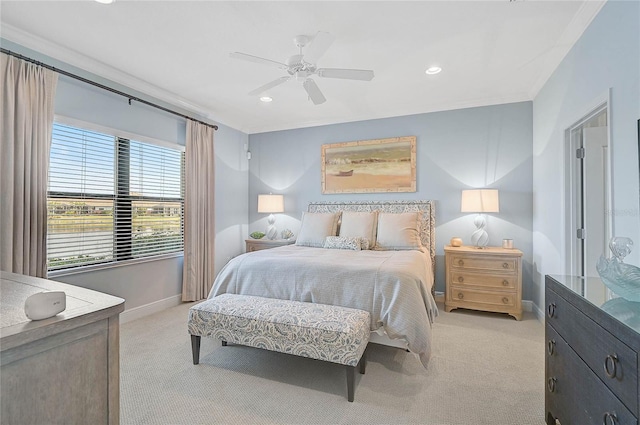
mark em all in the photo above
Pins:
pixel 105 1
pixel 433 70
pixel 266 99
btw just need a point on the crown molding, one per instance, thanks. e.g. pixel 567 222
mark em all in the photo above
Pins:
pixel 572 33
pixel 103 70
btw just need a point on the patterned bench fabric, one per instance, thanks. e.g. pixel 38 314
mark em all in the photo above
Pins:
pixel 319 331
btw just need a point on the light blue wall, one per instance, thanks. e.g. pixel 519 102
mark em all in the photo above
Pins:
pixel 467 148
pixel 144 283
pixel 607 56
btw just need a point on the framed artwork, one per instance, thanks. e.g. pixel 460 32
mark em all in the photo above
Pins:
pixel 368 166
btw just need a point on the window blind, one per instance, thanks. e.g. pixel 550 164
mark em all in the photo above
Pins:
pixel 111 199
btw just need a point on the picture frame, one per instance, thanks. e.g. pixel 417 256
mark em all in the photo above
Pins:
pixel 370 166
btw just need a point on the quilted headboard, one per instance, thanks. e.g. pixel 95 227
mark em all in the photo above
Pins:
pixel 427 224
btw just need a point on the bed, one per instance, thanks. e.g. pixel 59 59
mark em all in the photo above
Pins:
pixel 374 256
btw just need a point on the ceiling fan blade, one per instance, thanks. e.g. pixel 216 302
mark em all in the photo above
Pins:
pixel 313 91
pixel 349 74
pixel 318 46
pixel 257 59
pixel 270 85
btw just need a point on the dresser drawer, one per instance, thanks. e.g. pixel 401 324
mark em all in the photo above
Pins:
pixel 484 262
pixel 460 278
pixel 574 395
pixel 610 360
pixel 502 299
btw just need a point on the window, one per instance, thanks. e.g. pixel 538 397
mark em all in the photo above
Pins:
pixel 111 199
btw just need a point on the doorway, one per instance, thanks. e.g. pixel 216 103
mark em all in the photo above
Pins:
pixel 588 191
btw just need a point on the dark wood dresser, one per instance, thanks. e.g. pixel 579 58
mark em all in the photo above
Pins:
pixel 592 360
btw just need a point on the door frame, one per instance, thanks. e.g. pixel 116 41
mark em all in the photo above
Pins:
pixel 572 208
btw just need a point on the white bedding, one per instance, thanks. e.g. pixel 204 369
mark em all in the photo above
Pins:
pixel 393 286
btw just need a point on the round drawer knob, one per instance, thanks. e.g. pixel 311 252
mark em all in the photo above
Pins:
pixel 505 282
pixel 460 295
pixel 505 300
pixel 460 279
pixel 460 263
pixel 551 309
pixel 551 384
pixel 551 347
pixel 609 419
pixel 505 265
pixel 611 365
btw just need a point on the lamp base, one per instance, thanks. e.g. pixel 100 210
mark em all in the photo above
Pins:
pixel 480 237
pixel 271 232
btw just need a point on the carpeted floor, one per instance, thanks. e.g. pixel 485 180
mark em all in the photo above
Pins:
pixel 485 369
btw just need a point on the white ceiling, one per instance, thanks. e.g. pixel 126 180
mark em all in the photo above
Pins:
pixel 491 52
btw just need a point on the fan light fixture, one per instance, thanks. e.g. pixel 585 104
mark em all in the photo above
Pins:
pixel 433 70
pixel 266 99
pixel 105 1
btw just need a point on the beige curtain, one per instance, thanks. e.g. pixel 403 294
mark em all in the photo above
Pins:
pixel 199 213
pixel 27 120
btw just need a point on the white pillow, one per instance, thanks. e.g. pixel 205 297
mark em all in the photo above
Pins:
pixel 360 225
pixel 342 242
pixel 316 227
pixel 398 231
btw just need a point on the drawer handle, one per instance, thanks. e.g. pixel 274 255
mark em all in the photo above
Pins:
pixel 551 384
pixel 505 300
pixel 551 347
pixel 460 295
pixel 460 263
pixel 460 279
pixel 505 265
pixel 610 419
pixel 551 310
pixel 505 282
pixel 611 365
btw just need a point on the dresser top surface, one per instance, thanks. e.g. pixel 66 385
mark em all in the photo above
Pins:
pixel 595 292
pixel 15 288
pixel 486 250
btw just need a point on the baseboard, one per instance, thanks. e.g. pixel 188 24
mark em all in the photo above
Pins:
pixel 147 309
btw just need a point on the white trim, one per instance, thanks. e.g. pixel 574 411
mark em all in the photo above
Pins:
pixel 539 313
pixel 145 310
pixel 85 125
pixel 567 40
pixel 527 305
pixel 112 264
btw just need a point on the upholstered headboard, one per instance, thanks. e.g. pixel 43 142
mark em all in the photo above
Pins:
pixel 427 224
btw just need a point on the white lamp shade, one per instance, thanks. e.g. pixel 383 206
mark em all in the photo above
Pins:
pixel 480 201
pixel 270 203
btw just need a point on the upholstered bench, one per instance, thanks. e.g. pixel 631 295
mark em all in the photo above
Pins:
pixel 318 331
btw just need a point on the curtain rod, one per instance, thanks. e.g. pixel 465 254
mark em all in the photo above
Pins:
pixel 102 86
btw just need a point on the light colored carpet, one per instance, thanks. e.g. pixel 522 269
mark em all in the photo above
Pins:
pixel 485 369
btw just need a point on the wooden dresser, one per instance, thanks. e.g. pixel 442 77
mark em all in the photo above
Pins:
pixel 258 244
pixel 64 369
pixel 488 279
pixel 591 366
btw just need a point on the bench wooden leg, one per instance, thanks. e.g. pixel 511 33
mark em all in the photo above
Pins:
pixel 351 378
pixel 224 343
pixel 363 362
pixel 195 348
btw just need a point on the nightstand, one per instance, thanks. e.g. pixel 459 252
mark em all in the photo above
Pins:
pixel 258 244
pixel 488 279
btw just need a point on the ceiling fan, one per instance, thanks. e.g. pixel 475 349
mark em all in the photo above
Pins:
pixel 303 66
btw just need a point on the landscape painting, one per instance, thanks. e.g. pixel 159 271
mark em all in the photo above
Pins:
pixel 367 166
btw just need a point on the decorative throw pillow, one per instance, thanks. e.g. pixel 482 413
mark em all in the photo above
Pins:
pixel 315 227
pixel 398 231
pixel 342 242
pixel 360 225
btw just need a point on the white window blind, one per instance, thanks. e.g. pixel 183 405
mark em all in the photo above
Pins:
pixel 111 199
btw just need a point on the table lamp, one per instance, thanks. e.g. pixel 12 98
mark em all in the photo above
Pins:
pixel 480 201
pixel 271 204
